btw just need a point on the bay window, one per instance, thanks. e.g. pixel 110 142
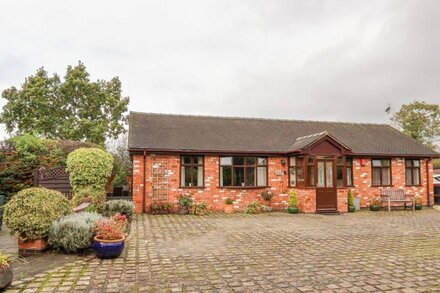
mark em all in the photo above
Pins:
pixel 238 171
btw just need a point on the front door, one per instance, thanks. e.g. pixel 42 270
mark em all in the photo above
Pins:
pixel 326 199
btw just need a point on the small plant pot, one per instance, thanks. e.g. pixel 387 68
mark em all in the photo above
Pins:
pixel 6 276
pixel 229 209
pixel 375 208
pixel 351 209
pixel 28 247
pixel 293 210
pixel 258 210
pixel 267 203
pixel 418 207
pixel 108 249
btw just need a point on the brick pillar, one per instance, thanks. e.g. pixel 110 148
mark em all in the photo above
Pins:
pixel 138 184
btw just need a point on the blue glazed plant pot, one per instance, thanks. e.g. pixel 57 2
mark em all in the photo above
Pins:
pixel 108 249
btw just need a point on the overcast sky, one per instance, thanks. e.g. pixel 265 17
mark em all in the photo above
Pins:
pixel 317 60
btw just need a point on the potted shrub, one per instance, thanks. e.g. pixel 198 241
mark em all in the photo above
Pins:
pixel 418 202
pixel 109 241
pixel 293 202
pixel 375 204
pixel 267 197
pixel 253 208
pixel 185 204
pixel 5 271
pixel 229 207
pixel 350 201
pixel 30 214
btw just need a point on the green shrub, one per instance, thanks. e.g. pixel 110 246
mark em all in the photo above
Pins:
pixel 229 200
pixel 112 207
pixel 253 208
pixel 74 232
pixel 293 198
pixel 200 208
pixel 97 198
pixel 89 168
pixel 31 211
pixel 350 199
pixel 5 259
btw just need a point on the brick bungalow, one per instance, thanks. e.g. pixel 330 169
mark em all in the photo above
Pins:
pixel 213 158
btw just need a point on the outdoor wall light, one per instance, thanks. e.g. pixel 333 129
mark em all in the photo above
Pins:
pixel 283 163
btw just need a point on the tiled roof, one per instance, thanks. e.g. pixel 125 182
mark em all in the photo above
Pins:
pixel 216 134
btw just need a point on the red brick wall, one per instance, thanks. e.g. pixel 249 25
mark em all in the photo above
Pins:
pixel 277 180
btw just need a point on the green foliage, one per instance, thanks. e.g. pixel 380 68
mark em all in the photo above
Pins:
pixel 229 200
pixel 266 195
pixel 185 203
pixel 200 208
pixel 376 201
pixel 75 109
pixel 27 153
pixel 436 163
pixel 74 232
pixel 5 259
pixel 253 208
pixel 95 197
pixel 420 121
pixel 122 163
pixel 124 207
pixel 31 211
pixel 350 198
pixel 89 169
pixel 293 198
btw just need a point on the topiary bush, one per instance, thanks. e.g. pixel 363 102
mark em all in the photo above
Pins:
pixel 74 232
pixel 89 170
pixel 350 198
pixel 112 207
pixel 31 211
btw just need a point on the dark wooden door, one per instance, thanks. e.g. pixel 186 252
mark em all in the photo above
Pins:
pixel 326 199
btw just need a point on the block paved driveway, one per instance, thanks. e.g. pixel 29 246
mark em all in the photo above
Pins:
pixel 272 252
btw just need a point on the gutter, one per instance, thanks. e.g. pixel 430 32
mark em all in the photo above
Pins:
pixel 427 182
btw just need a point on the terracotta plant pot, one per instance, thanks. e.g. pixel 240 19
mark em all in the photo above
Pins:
pixel 267 203
pixel 6 276
pixel 108 249
pixel 293 210
pixel 229 209
pixel 351 209
pixel 28 247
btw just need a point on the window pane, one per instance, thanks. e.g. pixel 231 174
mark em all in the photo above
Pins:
pixel 310 160
pixel 408 176
pixel 408 163
pixel 198 160
pixel 386 162
pixel 238 176
pixel 329 173
pixel 225 176
pixel 238 160
pixel 299 174
pixel 311 175
pixel 199 177
pixel 349 161
pixel 292 176
pixel 250 160
pixel 339 176
pixel 261 180
pixel 186 175
pixel 349 177
pixel 416 163
pixel 386 178
pixel 226 161
pixel 262 161
pixel 292 161
pixel 321 180
pixel 416 177
pixel 376 176
pixel 376 163
pixel 194 171
pixel 339 160
pixel 187 159
pixel 250 176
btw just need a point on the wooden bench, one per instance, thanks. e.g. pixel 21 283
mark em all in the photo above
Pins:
pixel 395 196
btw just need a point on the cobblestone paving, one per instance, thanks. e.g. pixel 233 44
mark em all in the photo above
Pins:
pixel 273 252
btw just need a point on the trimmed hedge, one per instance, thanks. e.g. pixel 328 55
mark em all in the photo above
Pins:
pixel 31 211
pixel 74 232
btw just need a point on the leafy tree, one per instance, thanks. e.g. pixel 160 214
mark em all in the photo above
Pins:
pixel 122 164
pixel 73 109
pixel 420 121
